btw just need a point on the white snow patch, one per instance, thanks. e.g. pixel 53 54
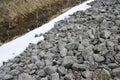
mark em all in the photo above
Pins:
pixel 17 46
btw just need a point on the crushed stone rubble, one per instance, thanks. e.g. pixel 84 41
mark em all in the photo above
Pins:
pixel 85 46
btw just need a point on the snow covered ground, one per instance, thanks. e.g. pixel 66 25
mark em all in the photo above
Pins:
pixel 15 47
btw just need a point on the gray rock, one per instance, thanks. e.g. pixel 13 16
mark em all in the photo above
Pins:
pixel 62 70
pixel 110 56
pixel 49 55
pixel 104 52
pixel 116 78
pixel 76 66
pixel 118 40
pixel 55 76
pixel 46 44
pixel 42 54
pixel 117 22
pixel 26 70
pixel 87 74
pixel 72 46
pixel 40 64
pixel 82 66
pixel 70 53
pixel 77 75
pixel 6 77
pixel 99 18
pixel 80 47
pixel 69 76
pixel 114 29
pixel 118 48
pixel 61 35
pixel 91 34
pixel 105 34
pixel 48 62
pixel 100 47
pixel 25 76
pixel 7 69
pixel 113 65
pixel 15 72
pixel 41 73
pixel 117 57
pixel 93 66
pixel 98 58
pixel 2 74
pixel 68 61
pixel 58 62
pixel 110 45
pixel 89 49
pixel 63 28
pixel 79 58
pixel 32 66
pixel 63 50
pixel 91 59
pixel 32 72
pixel 116 71
pixel 50 69
pixel 69 37
pixel 104 66
pixel 46 78
pixel 85 42
pixel 102 10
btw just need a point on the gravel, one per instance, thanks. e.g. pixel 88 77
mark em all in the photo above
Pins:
pixel 85 46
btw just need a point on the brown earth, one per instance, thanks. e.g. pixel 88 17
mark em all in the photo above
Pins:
pixel 38 17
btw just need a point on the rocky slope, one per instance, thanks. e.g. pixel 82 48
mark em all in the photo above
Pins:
pixel 85 46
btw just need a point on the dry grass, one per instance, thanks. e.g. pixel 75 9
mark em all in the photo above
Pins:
pixel 10 9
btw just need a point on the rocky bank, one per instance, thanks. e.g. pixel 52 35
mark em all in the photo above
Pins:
pixel 85 46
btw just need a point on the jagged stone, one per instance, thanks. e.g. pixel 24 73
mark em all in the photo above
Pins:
pixel 105 34
pixel 87 74
pixel 41 73
pixel 116 71
pixel 68 61
pixel 25 76
pixel 46 78
pixel 69 76
pixel 98 58
pixel 62 70
pixel 117 57
pixel 55 76
pixel 63 50
pixel 50 69
pixel 72 46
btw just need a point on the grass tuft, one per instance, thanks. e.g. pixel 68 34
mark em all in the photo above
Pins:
pixel 9 9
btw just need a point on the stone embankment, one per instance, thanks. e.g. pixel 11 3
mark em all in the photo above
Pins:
pixel 85 46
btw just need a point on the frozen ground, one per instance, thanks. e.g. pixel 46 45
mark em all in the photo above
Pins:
pixel 15 47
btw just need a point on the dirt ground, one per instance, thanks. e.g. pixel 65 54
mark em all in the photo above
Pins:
pixel 9 31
